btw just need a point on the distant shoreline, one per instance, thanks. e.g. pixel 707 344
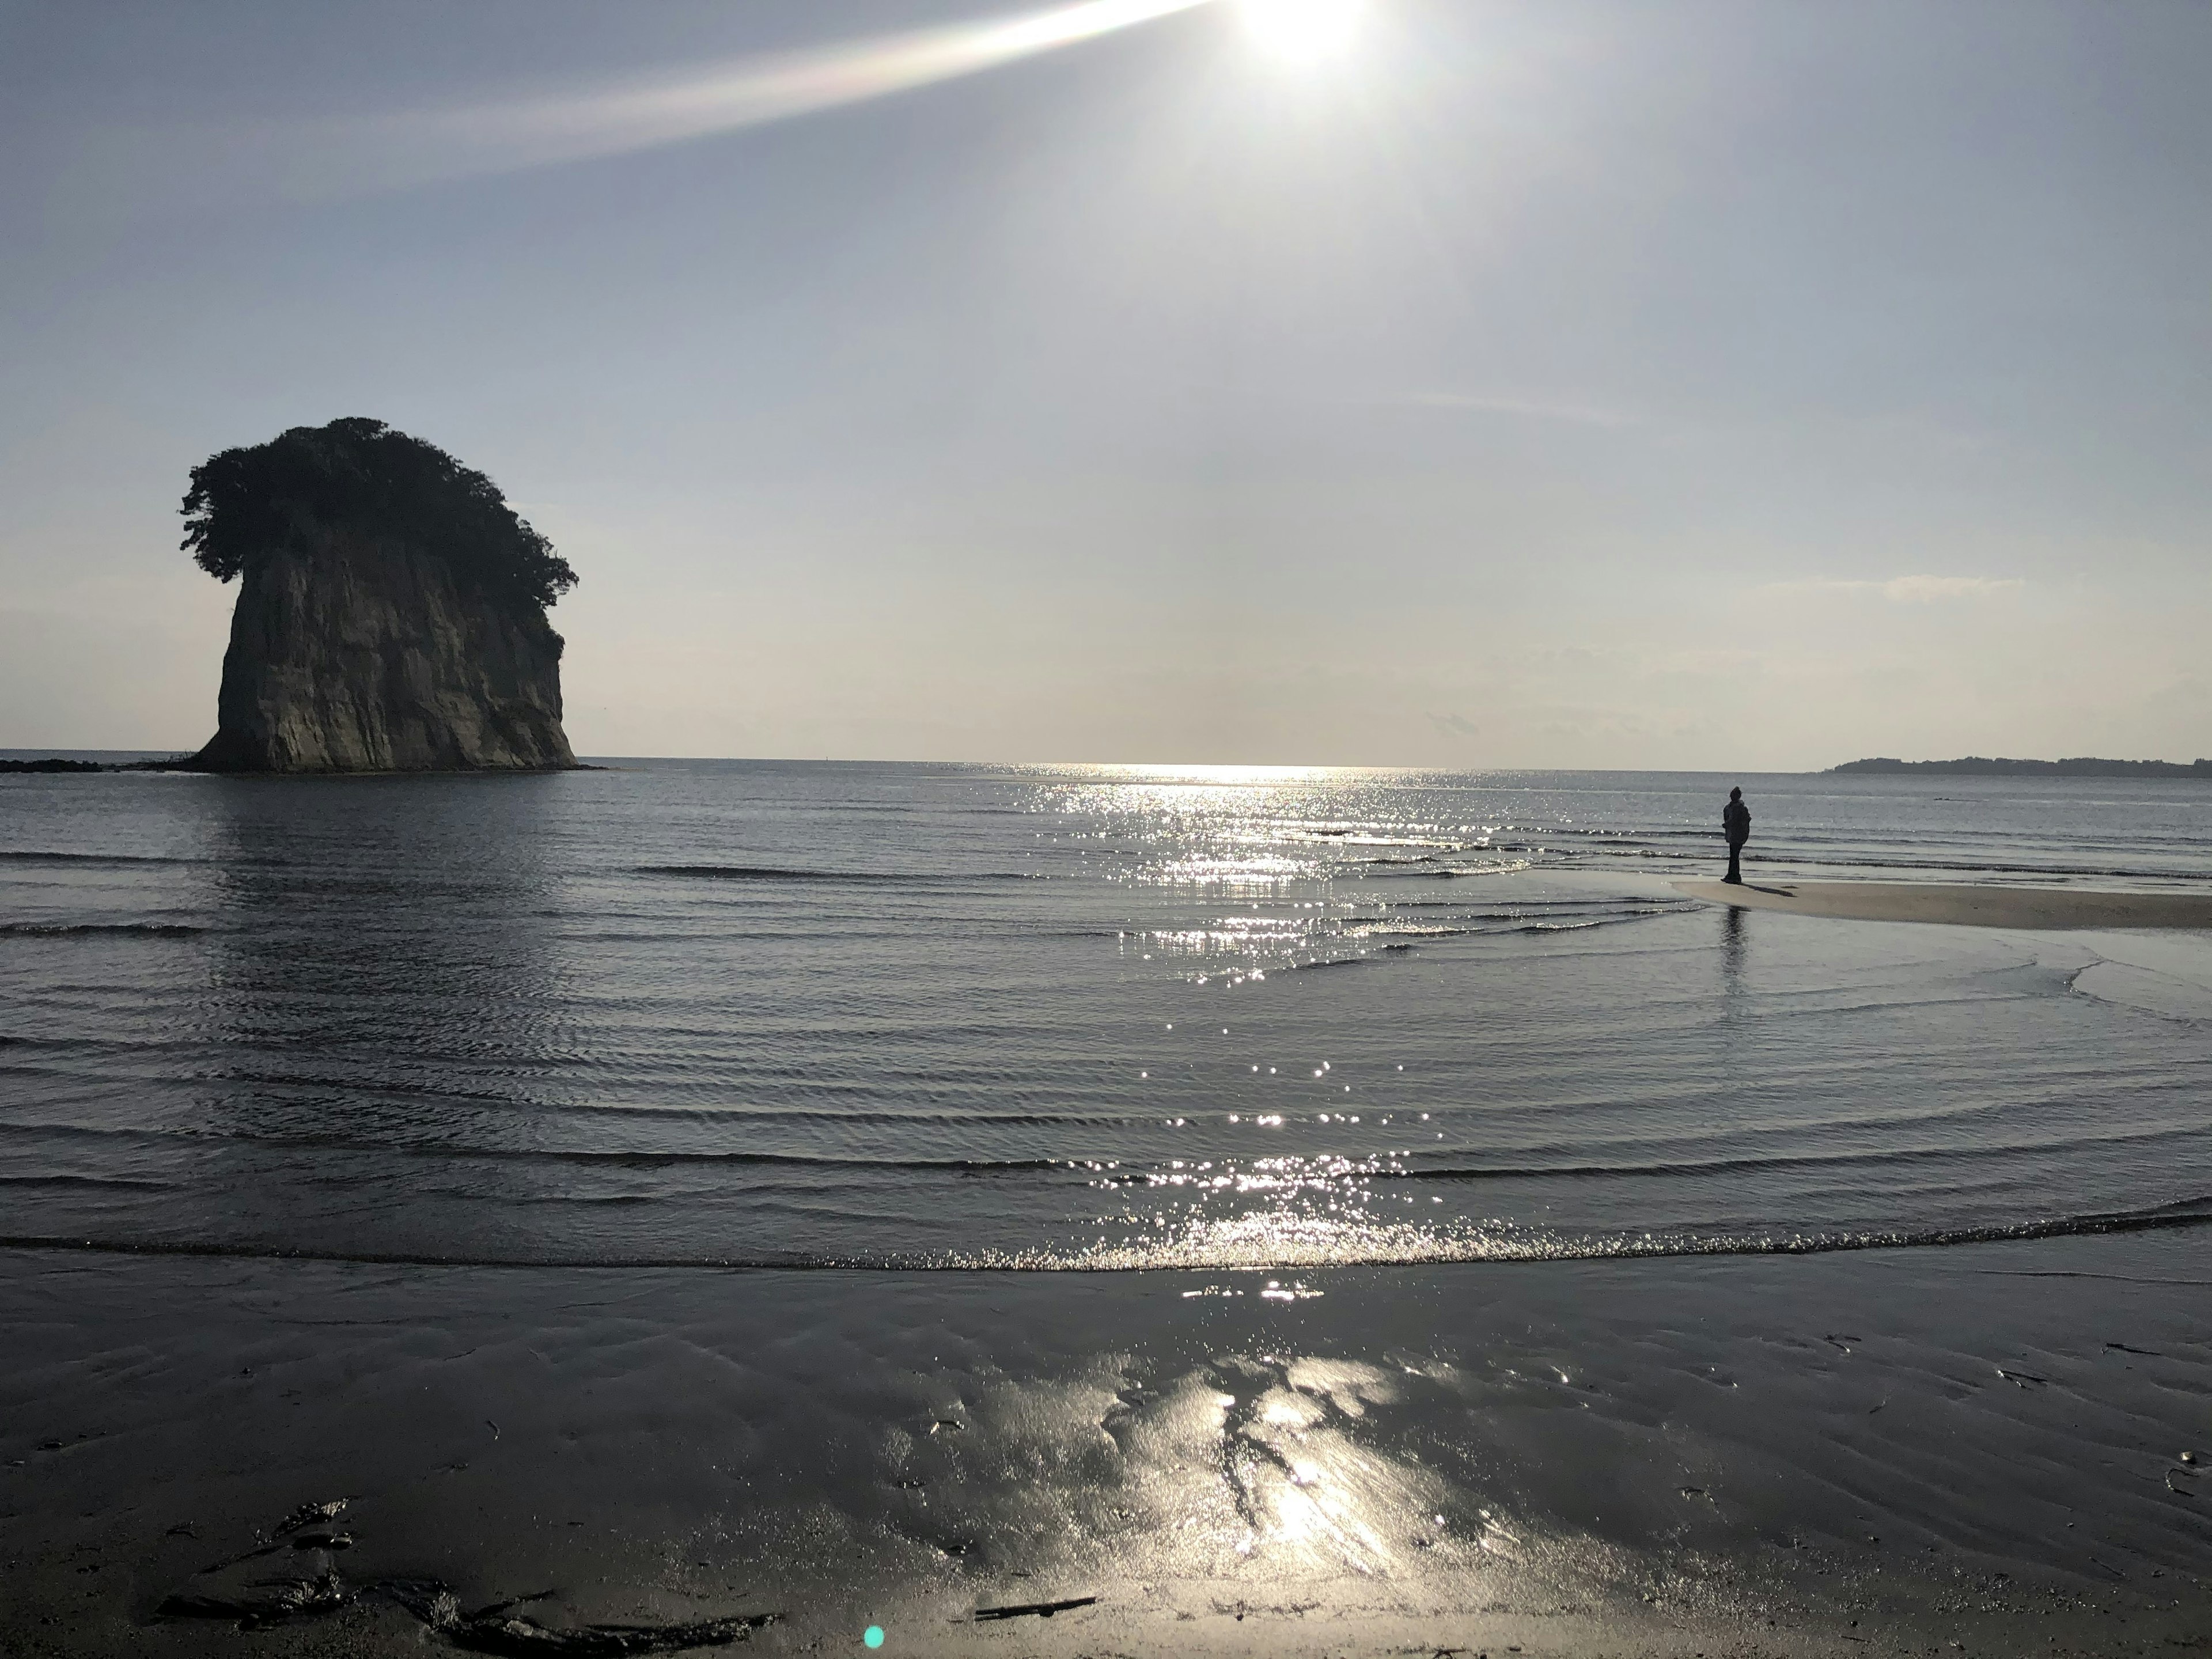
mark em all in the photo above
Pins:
pixel 2080 767
pixel 57 764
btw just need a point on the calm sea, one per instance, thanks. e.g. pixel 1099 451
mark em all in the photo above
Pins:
pixel 682 1011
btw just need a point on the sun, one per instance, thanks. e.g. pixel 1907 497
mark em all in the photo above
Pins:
pixel 1305 30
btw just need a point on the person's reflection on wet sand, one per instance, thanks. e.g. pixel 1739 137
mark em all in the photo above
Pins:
pixel 1735 1014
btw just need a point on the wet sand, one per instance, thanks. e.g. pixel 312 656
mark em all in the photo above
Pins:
pixel 1961 905
pixel 1871 1452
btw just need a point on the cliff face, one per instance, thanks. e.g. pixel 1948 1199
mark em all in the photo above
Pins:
pixel 350 653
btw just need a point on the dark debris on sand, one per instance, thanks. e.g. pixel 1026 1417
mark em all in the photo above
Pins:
pixel 262 1601
pixel 308 1515
pixel 1034 1609
pixel 500 1630
pixel 229 1590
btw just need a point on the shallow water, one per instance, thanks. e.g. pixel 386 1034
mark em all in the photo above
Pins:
pixel 1065 1017
pixel 1519 1224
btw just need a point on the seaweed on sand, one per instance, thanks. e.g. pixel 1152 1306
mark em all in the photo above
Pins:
pixel 221 1592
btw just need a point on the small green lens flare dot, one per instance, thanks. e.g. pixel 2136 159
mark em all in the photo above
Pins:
pixel 874 1636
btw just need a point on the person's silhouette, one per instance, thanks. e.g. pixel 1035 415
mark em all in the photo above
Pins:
pixel 1736 820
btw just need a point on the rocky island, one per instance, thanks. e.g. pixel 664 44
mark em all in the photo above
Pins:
pixel 391 610
pixel 1979 766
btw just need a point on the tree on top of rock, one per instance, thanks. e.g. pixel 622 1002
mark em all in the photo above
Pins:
pixel 360 474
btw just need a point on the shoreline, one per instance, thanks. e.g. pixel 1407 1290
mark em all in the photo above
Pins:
pixel 1960 904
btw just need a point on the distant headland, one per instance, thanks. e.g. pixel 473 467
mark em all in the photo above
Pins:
pixel 391 615
pixel 2082 766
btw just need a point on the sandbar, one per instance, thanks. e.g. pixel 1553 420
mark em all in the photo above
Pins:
pixel 1960 904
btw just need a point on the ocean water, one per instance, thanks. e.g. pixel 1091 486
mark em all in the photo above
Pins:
pixel 1075 1017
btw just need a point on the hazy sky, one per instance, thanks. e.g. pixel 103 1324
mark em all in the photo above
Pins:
pixel 1551 383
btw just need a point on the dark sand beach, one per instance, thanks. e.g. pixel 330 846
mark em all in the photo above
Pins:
pixel 1891 1451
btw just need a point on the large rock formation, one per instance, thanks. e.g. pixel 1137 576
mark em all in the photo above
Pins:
pixel 361 657
pixel 392 612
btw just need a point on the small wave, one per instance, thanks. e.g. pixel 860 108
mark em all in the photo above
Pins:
pixel 1398 930
pixel 1668 1169
pixel 86 929
pixel 29 856
pixel 839 877
pixel 636 1160
pixel 1269 1247
pixel 1580 924
pixel 757 872
pixel 619 1158
pixel 1409 938
pixel 1267 1241
pixel 1374 1167
pixel 349 1082
pixel 1429 869
pixel 1372 838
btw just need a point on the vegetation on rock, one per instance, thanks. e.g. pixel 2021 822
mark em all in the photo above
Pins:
pixel 360 476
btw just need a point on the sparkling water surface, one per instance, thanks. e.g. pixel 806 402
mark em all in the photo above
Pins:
pixel 1075 1017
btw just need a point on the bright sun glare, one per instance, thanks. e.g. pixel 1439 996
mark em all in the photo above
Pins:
pixel 1306 30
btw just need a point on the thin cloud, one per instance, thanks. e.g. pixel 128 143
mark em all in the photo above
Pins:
pixel 1456 725
pixel 425 146
pixel 1534 409
pixel 1910 590
pixel 1926 590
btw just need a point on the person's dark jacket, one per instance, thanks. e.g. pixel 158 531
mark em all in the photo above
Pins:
pixel 1735 818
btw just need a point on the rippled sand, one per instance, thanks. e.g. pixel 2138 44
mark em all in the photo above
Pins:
pixel 1750 1455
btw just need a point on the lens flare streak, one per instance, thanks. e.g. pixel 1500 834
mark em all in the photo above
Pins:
pixel 426 145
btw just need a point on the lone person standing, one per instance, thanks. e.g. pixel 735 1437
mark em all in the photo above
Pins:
pixel 1736 820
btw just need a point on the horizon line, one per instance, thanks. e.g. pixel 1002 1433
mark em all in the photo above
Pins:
pixel 1184 766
